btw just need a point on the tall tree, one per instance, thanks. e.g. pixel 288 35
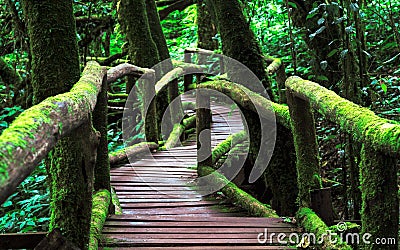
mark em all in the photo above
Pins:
pixel 206 29
pixel 172 91
pixel 142 48
pixel 55 68
pixel 238 41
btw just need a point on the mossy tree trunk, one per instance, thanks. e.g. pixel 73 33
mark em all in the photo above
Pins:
pixel 55 68
pixel 238 41
pixel 206 30
pixel 167 96
pixel 142 51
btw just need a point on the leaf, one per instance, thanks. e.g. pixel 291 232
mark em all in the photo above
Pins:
pixel 293 5
pixel 384 87
pixel 322 78
pixel 354 7
pixel 330 54
pixel 344 53
pixel 7 204
pixel 312 13
pixel 348 29
pixel 339 20
pixel 311 36
pixel 319 31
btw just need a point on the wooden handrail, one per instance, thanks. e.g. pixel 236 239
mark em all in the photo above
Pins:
pixel 36 131
pixel 362 123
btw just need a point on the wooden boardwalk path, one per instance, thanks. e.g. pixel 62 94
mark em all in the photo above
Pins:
pixel 163 210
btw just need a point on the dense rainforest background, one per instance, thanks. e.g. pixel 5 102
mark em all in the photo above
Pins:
pixel 351 47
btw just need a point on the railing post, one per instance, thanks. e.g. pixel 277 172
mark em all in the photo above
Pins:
pixel 188 78
pixel 203 128
pixel 305 142
pixel 99 116
pixel 380 204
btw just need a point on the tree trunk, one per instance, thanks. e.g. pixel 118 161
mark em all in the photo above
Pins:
pixel 205 30
pixel 55 68
pixel 238 41
pixel 142 51
pixel 165 97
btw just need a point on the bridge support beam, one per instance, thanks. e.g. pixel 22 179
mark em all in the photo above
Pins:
pixel 203 128
pixel 306 147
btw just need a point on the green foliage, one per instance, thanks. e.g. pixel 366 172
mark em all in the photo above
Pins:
pixel 7 115
pixel 180 31
pixel 27 209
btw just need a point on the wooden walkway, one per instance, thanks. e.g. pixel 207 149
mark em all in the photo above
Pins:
pixel 163 210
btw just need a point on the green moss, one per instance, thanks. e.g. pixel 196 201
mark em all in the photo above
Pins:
pixel 224 146
pixel 313 224
pixel 250 100
pixel 235 194
pixel 101 203
pixel 362 123
pixel 306 147
pixel 380 203
pixel 115 202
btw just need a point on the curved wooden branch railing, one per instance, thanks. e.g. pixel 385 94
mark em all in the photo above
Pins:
pixel 36 131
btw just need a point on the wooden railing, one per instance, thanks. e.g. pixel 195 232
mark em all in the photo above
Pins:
pixel 380 153
pixel 36 131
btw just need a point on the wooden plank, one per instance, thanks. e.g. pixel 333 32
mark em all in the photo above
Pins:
pixel 276 222
pixel 180 211
pixel 148 188
pixel 168 204
pixel 194 230
pixel 125 240
pixel 197 224
pixel 159 200
pixel 158 195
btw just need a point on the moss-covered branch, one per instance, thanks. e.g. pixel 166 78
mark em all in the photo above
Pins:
pixel 178 130
pixel 226 145
pixel 115 202
pixel 250 100
pixel 362 123
pixel 125 69
pixel 101 202
pixel 178 71
pixel 35 132
pixel 238 196
pixel 123 154
pixel 314 225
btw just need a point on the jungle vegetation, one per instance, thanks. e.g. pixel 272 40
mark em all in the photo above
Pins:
pixel 351 47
